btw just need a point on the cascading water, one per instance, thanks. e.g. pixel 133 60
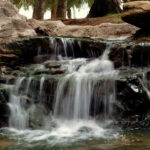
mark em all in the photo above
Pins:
pixel 75 91
pixel 18 116
pixel 67 45
pixel 86 92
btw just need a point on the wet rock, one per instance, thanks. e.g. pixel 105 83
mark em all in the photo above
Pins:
pixel 50 48
pixel 53 65
pixel 120 56
pixel 126 53
pixel 50 86
pixel 11 79
pixel 5 71
pixel 137 13
pixel 3 95
pixel 17 73
pixel 42 58
pixel 38 72
pixel 20 68
pixel 141 54
pixel 8 79
pixel 133 98
pixel 8 59
pixel 55 71
pixel 4 111
pixel 142 34
pixel 133 104
pixel 133 54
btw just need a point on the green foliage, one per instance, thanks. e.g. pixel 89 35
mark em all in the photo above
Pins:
pixel 23 3
pixel 118 20
pixel 115 15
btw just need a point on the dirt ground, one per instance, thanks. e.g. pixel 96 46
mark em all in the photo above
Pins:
pixel 112 18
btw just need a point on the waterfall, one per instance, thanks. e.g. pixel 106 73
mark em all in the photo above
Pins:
pixel 67 46
pixel 71 106
pixel 41 85
pixel 86 91
pixel 74 93
pixel 18 115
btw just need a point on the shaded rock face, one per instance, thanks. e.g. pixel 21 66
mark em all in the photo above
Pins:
pixel 137 13
pixel 133 55
pixel 12 25
pixel 133 98
pixel 134 105
pixel 40 49
pixel 4 111
pixel 131 110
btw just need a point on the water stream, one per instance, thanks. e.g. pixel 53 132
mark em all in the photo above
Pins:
pixel 82 106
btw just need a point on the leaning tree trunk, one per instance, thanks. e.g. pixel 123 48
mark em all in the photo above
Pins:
pixel 103 7
pixel 38 12
pixel 61 9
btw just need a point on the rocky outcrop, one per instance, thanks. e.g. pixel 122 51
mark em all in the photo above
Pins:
pixel 12 25
pixel 40 49
pixel 137 13
pixel 104 30
pixel 122 53
pixel 133 54
pixel 133 104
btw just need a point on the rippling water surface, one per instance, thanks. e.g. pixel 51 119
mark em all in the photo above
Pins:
pixel 64 139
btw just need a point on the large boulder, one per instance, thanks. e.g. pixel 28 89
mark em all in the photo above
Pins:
pixel 137 13
pixel 103 30
pixel 12 25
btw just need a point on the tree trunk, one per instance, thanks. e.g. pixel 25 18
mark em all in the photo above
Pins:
pixel 53 13
pixel 69 13
pixel 61 9
pixel 103 7
pixel 38 11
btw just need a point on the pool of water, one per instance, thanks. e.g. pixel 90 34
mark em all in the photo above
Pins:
pixel 111 140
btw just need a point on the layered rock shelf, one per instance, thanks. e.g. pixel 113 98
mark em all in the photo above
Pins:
pixel 38 54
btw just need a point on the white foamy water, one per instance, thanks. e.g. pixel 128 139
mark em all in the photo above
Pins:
pixel 63 132
pixel 18 116
pixel 85 92
pixel 75 90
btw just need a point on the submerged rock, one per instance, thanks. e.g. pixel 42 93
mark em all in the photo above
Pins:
pixel 137 13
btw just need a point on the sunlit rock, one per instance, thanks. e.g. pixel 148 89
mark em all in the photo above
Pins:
pixel 137 13
pixel 12 25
